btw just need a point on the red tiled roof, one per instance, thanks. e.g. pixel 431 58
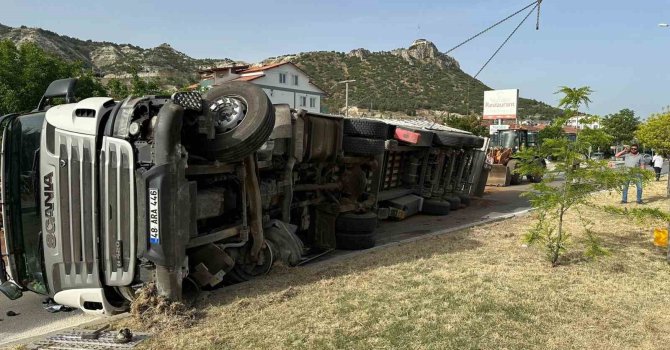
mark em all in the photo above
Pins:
pixel 262 68
pixel 271 66
pixel 249 77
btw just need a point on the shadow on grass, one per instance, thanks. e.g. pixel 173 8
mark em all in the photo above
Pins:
pixel 287 278
pixel 655 199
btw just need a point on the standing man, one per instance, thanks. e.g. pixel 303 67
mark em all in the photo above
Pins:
pixel 658 165
pixel 632 159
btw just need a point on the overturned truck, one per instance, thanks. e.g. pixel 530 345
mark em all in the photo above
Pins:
pixel 195 191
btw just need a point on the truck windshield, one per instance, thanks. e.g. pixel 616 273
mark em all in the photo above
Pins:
pixel 22 222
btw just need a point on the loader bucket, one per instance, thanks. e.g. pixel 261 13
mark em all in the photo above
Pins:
pixel 499 176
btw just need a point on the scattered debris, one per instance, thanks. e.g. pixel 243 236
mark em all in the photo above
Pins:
pixel 51 306
pixel 124 336
pixel 95 334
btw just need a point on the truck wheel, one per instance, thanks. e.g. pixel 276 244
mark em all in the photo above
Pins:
pixel 373 129
pixel 359 223
pixel 349 241
pixel 534 179
pixel 454 201
pixel 515 178
pixel 363 146
pixel 435 207
pixel 465 199
pixel 243 117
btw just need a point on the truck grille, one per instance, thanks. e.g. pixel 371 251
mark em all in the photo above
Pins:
pixel 94 212
pixel 117 191
pixel 76 171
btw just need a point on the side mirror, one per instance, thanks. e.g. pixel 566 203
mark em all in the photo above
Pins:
pixel 58 88
pixel 11 290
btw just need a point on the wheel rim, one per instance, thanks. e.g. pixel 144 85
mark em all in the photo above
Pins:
pixel 228 112
pixel 249 271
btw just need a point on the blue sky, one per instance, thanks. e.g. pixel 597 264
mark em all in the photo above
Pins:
pixel 613 46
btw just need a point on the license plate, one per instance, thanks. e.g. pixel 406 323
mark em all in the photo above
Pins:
pixel 154 226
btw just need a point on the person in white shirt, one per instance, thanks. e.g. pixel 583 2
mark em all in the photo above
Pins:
pixel 658 165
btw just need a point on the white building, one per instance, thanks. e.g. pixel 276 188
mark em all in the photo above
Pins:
pixel 584 121
pixel 282 82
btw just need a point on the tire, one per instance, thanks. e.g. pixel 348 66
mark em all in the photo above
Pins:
pixel 234 142
pixel 454 201
pixel 355 241
pixel 436 207
pixel 465 199
pixel 372 129
pixel 363 146
pixel 449 139
pixel 356 223
pixel 534 179
pixel 515 178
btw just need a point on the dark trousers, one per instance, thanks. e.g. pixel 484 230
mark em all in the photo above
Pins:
pixel 658 173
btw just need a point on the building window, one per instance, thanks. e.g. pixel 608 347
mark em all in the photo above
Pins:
pixel 282 78
pixel 295 80
pixel 303 101
pixel 312 102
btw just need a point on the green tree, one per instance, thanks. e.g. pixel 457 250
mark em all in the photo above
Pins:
pixel 596 139
pixel 655 132
pixel 26 72
pixel 117 89
pixel 471 123
pixel 621 126
pixel 580 177
pixel 89 86
pixel 574 97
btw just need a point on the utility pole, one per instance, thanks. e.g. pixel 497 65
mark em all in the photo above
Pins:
pixel 346 95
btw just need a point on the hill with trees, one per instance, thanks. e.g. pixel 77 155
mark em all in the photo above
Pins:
pixel 419 77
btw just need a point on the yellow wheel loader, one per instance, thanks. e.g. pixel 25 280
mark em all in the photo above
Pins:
pixel 506 143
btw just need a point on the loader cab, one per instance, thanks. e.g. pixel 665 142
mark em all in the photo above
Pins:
pixel 515 139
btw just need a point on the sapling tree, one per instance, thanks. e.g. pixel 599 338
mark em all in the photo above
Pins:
pixel 577 177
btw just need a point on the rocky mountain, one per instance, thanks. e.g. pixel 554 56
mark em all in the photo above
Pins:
pixel 111 60
pixel 404 80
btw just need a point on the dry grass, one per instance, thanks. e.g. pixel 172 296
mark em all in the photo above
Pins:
pixel 155 313
pixel 482 288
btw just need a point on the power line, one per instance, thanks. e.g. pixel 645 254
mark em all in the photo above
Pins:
pixel 507 39
pixel 537 2
pixel 534 5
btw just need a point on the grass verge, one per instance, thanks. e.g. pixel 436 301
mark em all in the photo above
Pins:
pixel 479 288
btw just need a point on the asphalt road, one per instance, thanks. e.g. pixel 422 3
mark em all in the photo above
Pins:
pixel 33 320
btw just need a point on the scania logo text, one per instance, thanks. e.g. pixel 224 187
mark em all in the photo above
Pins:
pixel 49 221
